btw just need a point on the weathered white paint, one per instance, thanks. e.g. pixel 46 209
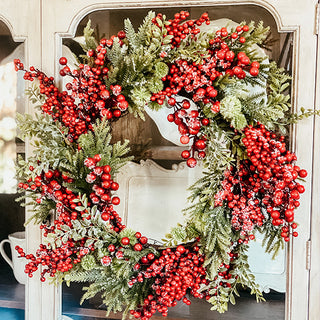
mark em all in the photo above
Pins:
pixel 43 23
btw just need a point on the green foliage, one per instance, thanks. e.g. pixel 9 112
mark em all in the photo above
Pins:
pixel 34 95
pixel 272 241
pixel 255 35
pixel 221 295
pixel 48 139
pixel 278 102
pixel 216 239
pixel 90 42
pixel 230 108
pixel 137 66
pixel 191 49
pixel 243 104
pixel 304 114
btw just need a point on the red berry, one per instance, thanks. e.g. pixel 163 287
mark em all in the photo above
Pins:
pixel 300 188
pixel 245 28
pixel 184 139
pixel 150 256
pixel 144 260
pixel 185 154
pixel 117 113
pixel 138 235
pixel 63 61
pixel 181 249
pixel 255 64
pixel 97 157
pixel 111 248
pixel 137 247
pixel 106 169
pixel 125 241
pixel 191 162
pixel 200 144
pixel 254 71
pixel 105 216
pixel 170 117
pixel 303 173
pixel 143 240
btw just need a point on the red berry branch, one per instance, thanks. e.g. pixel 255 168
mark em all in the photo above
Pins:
pixel 176 272
pixel 95 100
pixel 263 187
pixel 197 81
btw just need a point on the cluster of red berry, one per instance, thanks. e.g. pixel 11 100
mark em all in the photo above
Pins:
pixel 50 185
pixel 95 100
pixel 189 125
pixel 118 253
pixel 176 272
pixel 197 81
pixel 263 186
pixel 62 258
pixel 179 29
pixel 99 179
pixel 228 60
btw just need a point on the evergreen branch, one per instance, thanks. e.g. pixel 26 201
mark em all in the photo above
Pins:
pixel 145 28
pixel 131 36
pixel 220 295
pixel 272 240
pixel 304 114
pixel 256 34
pixel 89 37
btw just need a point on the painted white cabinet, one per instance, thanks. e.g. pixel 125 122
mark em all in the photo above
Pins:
pixel 42 25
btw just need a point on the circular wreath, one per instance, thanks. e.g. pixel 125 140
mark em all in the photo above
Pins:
pixel 249 183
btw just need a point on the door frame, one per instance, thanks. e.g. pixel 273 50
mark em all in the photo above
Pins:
pixel 53 20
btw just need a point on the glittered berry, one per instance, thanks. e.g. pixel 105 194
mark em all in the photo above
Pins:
pixel 137 247
pixel 191 162
pixel 125 241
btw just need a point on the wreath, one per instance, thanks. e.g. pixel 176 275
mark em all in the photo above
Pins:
pixel 249 182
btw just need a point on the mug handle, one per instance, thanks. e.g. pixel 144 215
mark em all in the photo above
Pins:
pixel 3 253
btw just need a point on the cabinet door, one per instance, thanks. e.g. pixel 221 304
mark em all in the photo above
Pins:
pixel 45 23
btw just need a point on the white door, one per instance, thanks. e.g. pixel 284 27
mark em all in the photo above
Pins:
pixel 44 23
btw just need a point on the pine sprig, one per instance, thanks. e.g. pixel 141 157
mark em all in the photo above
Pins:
pixel 272 240
pixel 90 41
pixel 256 34
pixel 221 296
pixel 145 29
pixel 131 36
pixel 49 142
pixel 216 240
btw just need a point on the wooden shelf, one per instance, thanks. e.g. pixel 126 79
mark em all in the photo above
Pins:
pixel 166 152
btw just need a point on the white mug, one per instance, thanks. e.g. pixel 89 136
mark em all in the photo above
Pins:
pixel 17 264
